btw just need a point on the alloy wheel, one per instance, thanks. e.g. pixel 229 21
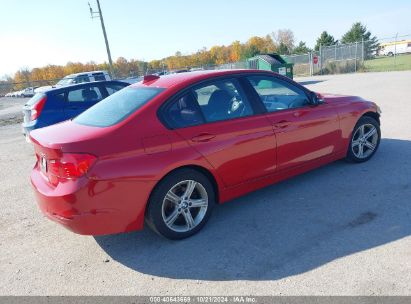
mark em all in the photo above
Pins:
pixel 365 141
pixel 184 206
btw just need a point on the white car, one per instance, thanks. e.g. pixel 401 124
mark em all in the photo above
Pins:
pixel 133 80
pixel 28 92
pixel 84 77
pixel 20 93
pixel 77 78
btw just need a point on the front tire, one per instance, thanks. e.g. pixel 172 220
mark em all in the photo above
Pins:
pixel 181 204
pixel 365 140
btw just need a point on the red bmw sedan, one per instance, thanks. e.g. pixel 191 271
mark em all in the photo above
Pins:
pixel 166 150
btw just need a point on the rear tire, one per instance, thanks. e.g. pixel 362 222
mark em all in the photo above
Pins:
pixel 365 140
pixel 181 204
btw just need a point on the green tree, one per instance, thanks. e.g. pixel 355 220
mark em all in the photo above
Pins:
pixel 301 48
pixel 359 33
pixel 325 39
pixel 251 51
pixel 283 49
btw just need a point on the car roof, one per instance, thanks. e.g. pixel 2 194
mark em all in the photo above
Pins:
pixel 172 80
pixel 84 84
pixel 84 73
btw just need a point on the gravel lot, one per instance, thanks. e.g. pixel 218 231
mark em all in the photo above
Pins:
pixel 10 110
pixel 343 229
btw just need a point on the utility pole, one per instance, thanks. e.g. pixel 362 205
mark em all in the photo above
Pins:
pixel 395 50
pixel 99 14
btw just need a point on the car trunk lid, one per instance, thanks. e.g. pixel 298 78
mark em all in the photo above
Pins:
pixel 66 136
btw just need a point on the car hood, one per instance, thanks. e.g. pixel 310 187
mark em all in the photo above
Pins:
pixel 329 97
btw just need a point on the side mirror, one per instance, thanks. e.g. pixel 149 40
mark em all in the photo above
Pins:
pixel 315 100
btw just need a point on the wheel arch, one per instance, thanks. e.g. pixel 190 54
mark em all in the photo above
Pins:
pixel 207 173
pixel 198 168
pixel 373 115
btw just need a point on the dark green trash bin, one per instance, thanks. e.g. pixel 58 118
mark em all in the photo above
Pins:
pixel 271 62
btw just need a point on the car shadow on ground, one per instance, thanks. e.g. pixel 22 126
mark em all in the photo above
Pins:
pixel 288 228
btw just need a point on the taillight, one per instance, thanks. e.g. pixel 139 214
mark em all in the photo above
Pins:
pixel 69 166
pixel 37 108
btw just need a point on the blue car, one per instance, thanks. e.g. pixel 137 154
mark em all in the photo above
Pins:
pixel 63 103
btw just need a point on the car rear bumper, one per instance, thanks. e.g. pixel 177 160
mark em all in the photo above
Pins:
pixel 92 207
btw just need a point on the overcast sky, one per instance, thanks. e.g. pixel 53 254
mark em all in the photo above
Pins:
pixel 36 33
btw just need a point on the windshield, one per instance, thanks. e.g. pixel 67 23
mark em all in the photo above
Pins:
pixel 65 81
pixel 117 107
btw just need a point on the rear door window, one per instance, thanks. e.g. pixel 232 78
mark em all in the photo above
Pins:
pixel 117 107
pixel 183 112
pixel 223 100
pixel 85 95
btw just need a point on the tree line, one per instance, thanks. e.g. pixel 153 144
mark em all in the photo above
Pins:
pixel 281 41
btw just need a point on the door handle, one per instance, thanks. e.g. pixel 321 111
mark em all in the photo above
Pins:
pixel 282 124
pixel 204 137
pixel 300 113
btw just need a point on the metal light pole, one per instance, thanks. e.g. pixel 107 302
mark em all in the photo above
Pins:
pixel 99 14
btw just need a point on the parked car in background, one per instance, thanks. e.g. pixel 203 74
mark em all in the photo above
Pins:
pixel 28 92
pixel 132 80
pixel 179 71
pixel 78 78
pixel 167 149
pixel 20 93
pixel 63 103
pixel 84 77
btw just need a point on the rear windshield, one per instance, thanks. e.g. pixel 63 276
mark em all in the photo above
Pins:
pixel 117 107
pixel 35 99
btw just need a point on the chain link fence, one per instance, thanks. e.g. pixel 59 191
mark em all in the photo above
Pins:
pixel 388 54
pixel 336 59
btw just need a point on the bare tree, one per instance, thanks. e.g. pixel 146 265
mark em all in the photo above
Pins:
pixel 284 38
